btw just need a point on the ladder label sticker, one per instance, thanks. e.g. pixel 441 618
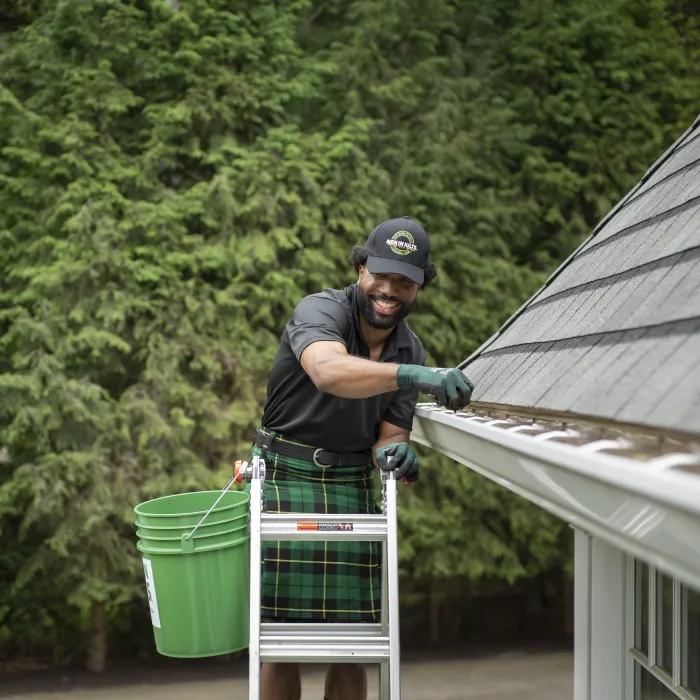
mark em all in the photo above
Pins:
pixel 151 590
pixel 326 527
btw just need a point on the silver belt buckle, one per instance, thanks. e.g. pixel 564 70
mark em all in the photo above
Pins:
pixel 316 462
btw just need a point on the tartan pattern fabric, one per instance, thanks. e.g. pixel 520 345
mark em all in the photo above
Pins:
pixel 319 581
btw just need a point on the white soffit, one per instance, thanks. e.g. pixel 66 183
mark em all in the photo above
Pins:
pixel 647 508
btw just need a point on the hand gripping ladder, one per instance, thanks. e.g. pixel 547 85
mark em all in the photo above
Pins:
pixel 325 642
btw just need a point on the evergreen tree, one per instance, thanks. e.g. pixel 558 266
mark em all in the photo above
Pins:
pixel 175 176
pixel 601 89
pixel 140 180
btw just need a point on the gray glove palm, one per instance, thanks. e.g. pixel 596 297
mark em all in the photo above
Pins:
pixel 450 387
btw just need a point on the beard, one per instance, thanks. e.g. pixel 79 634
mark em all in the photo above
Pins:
pixel 382 321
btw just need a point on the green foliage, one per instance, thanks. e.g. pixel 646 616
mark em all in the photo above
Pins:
pixel 604 87
pixel 174 179
pixel 457 524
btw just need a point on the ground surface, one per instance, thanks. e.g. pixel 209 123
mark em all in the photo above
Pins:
pixel 517 675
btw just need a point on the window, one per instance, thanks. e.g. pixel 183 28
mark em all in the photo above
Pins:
pixel 690 672
pixel 647 687
pixel 641 607
pixel 665 639
pixel 664 623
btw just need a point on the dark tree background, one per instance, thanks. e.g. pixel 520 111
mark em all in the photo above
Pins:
pixel 175 176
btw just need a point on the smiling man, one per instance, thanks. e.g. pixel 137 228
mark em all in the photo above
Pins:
pixel 342 393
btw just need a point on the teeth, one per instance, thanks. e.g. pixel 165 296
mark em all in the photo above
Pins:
pixel 385 304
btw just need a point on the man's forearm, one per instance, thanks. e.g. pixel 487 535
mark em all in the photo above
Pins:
pixel 352 377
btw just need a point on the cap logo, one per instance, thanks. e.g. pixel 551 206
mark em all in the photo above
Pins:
pixel 402 243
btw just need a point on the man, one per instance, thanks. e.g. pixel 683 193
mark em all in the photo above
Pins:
pixel 341 394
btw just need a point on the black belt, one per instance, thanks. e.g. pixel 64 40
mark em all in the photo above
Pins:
pixel 320 457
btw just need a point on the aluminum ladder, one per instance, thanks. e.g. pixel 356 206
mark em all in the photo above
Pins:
pixel 366 643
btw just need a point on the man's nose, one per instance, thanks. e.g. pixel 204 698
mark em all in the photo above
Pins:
pixel 389 288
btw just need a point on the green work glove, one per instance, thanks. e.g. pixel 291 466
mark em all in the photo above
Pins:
pixel 398 457
pixel 450 387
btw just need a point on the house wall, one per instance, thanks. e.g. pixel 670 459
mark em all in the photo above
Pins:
pixel 600 604
pixel 637 633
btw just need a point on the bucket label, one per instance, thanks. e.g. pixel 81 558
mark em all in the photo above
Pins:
pixel 325 527
pixel 151 590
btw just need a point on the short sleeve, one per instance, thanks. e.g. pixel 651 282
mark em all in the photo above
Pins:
pixel 316 318
pixel 403 406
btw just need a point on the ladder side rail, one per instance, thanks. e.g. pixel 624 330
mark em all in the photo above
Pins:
pixel 384 620
pixel 255 593
pixel 393 587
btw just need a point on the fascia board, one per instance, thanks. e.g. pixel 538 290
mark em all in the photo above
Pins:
pixel 652 515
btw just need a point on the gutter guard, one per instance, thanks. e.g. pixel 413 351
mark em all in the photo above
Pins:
pixel 649 508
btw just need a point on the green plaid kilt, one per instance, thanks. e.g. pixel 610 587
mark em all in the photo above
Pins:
pixel 320 581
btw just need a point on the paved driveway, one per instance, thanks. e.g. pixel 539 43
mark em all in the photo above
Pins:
pixel 520 676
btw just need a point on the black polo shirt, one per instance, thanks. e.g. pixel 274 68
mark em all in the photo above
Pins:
pixel 297 409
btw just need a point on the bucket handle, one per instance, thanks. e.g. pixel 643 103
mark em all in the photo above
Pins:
pixel 226 488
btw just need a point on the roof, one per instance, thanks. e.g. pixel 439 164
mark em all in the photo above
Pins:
pixel 615 332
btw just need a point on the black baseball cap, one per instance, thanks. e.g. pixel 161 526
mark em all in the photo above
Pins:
pixel 398 246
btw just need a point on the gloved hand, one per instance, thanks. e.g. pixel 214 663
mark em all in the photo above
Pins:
pixel 450 387
pixel 400 458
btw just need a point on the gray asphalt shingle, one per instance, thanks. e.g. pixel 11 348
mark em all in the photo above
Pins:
pixel 664 235
pixel 615 333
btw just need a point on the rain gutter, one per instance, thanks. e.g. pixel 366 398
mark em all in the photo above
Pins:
pixel 635 495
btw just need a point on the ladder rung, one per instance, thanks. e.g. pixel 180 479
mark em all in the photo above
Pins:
pixel 321 629
pixel 371 650
pixel 328 640
pixel 313 526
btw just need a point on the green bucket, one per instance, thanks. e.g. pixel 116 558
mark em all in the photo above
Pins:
pixel 175 531
pixel 187 509
pixel 198 589
pixel 196 543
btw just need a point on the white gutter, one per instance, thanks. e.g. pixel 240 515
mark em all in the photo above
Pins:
pixel 645 508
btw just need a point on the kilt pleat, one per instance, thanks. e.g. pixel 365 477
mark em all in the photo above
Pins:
pixel 319 581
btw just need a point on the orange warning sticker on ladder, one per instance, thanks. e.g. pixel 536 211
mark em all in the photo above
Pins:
pixel 325 527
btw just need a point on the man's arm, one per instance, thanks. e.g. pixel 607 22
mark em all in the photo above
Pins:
pixel 388 434
pixel 335 372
